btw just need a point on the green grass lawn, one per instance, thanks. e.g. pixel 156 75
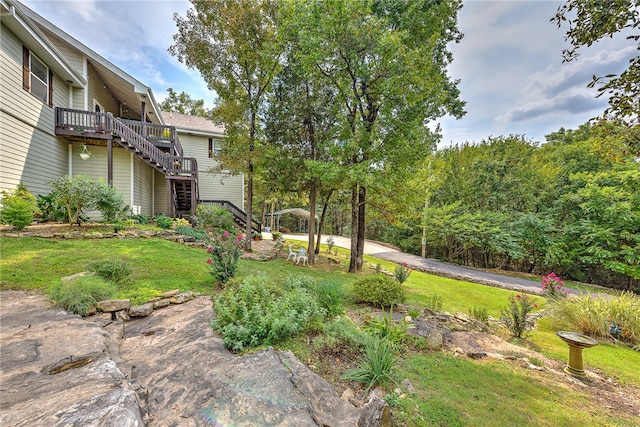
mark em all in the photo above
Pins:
pixel 449 390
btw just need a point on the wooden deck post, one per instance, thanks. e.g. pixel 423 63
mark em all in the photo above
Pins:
pixel 170 207
pixel 110 162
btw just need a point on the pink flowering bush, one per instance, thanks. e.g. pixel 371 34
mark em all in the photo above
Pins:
pixel 553 287
pixel 515 314
pixel 225 252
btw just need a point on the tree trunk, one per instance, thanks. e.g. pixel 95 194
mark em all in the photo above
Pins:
pixel 249 207
pixel 362 227
pixel 325 205
pixel 354 230
pixel 312 223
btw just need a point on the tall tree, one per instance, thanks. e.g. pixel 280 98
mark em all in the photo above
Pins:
pixel 590 21
pixel 235 46
pixel 387 63
pixel 183 103
pixel 301 125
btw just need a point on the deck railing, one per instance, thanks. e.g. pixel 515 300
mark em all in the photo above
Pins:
pixel 156 133
pixel 84 121
pixel 133 133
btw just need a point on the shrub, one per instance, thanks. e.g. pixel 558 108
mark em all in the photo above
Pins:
pixel 112 271
pixel 164 221
pixel 192 232
pixel 378 290
pixel 139 219
pixel 552 286
pixel 376 366
pixel 479 313
pixel 18 207
pixel 225 252
pixel 212 216
pixel 80 296
pixel 276 235
pixel 402 272
pixel 49 209
pixel 434 302
pixel 594 315
pixel 109 202
pixel 330 296
pixel 180 222
pixel 257 311
pixel 515 315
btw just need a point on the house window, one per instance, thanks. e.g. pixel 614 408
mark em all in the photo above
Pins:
pixel 37 78
pixel 215 145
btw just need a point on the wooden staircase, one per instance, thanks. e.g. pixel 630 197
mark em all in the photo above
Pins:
pixel 156 145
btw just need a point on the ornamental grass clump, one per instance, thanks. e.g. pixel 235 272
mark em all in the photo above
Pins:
pixel 553 287
pixel 224 253
pixel 515 315
pixel 376 365
pixel 81 295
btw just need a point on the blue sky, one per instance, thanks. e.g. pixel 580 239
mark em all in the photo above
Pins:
pixel 509 61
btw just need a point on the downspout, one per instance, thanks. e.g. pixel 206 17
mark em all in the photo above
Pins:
pixel 85 74
pixel 131 189
pixel 153 192
pixel 70 162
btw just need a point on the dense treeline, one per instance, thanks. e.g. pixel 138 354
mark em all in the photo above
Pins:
pixel 570 205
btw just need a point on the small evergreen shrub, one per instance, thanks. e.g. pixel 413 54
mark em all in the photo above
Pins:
pixel 434 302
pixel 402 272
pixel 276 235
pixel 81 296
pixel 379 290
pixel 515 315
pixel 164 221
pixel 257 311
pixel 18 207
pixel 113 271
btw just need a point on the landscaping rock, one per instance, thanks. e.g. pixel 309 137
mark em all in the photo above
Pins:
pixel 162 303
pixel 183 297
pixel 184 374
pixel 110 306
pixel 376 413
pixel 435 340
pixel 141 310
pixel 171 293
pixel 56 369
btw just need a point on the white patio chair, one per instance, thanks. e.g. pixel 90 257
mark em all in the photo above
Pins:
pixel 292 254
pixel 302 255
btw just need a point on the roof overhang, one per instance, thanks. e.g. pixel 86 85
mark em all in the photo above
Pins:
pixel 127 89
pixel 16 18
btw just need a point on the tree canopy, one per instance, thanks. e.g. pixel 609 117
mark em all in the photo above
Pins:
pixel 590 21
pixel 183 103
